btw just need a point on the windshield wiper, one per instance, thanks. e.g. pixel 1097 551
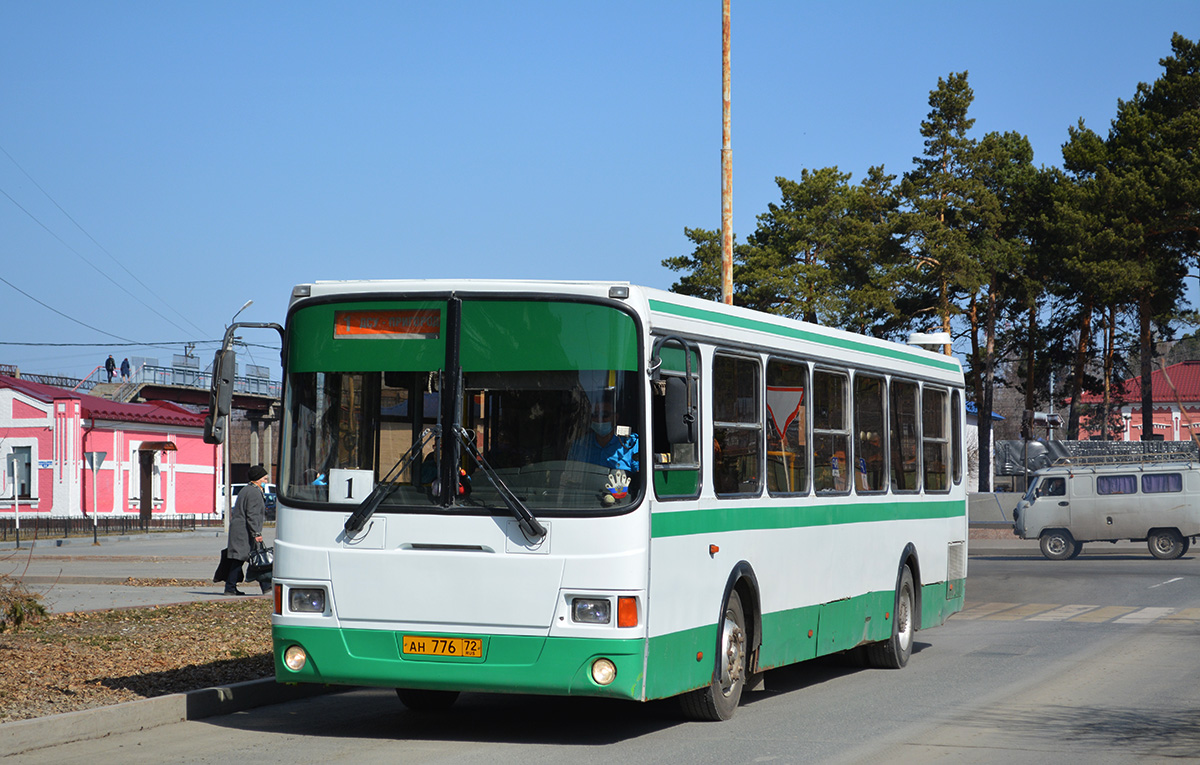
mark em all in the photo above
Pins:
pixel 530 526
pixel 384 488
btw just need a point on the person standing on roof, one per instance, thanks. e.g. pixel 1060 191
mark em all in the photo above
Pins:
pixel 125 370
pixel 245 528
pixel 110 366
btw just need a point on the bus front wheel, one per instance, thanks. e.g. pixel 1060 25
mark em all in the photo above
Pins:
pixel 720 698
pixel 893 653
pixel 426 701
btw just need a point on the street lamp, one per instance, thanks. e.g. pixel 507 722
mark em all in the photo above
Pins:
pixel 225 446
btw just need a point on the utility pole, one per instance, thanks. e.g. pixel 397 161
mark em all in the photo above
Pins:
pixel 726 165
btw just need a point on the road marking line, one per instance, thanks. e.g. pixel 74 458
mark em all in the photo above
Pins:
pixel 1145 616
pixel 1062 613
pixel 1102 614
pixel 983 609
pixel 1186 614
pixel 1022 612
pixel 1169 581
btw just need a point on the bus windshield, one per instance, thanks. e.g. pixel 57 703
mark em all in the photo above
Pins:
pixel 561 436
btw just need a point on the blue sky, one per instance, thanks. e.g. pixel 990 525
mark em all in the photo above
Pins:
pixel 164 162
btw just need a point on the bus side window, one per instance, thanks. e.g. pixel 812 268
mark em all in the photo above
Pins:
pixel 787 427
pixel 676 462
pixel 934 427
pixel 906 468
pixel 831 433
pixel 870 470
pixel 737 427
pixel 956 435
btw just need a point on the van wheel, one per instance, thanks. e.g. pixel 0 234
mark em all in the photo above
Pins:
pixel 1058 544
pixel 720 698
pixel 1078 549
pixel 893 653
pixel 1165 544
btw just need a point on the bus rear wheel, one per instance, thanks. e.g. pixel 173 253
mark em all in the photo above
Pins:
pixel 720 698
pixel 419 700
pixel 894 652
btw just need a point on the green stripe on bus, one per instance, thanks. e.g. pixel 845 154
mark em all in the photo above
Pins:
pixel 739 517
pixel 510 664
pixel 801 334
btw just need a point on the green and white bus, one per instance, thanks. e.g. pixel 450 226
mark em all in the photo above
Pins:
pixel 599 489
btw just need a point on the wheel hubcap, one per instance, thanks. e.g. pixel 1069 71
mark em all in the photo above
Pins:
pixel 903 619
pixel 733 653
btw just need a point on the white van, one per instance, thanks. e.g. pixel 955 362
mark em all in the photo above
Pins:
pixel 1153 502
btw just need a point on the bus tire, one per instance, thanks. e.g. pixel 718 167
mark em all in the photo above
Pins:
pixel 1165 544
pixel 419 700
pixel 894 652
pixel 720 698
pixel 1057 544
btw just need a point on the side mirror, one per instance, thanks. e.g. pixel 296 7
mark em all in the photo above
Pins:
pixel 220 397
pixel 680 413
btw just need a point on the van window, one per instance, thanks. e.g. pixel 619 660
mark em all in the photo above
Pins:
pixel 1052 487
pixel 1116 484
pixel 1162 483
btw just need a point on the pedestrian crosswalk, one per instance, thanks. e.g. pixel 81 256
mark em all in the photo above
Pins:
pixel 1052 612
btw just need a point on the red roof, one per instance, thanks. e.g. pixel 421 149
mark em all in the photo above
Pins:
pixel 1185 376
pixel 96 408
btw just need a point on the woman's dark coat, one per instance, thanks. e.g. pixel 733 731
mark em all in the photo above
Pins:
pixel 246 521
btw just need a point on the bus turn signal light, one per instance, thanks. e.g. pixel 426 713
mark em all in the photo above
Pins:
pixel 627 615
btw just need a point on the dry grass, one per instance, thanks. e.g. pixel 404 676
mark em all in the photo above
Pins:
pixel 67 662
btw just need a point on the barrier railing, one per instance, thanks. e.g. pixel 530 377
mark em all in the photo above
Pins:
pixel 59 528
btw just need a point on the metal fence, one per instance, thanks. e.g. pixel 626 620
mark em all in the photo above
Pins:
pixel 196 378
pixel 61 528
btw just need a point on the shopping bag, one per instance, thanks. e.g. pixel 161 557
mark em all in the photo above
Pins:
pixel 261 563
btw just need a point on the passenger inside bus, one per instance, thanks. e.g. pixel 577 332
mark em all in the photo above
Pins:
pixel 608 445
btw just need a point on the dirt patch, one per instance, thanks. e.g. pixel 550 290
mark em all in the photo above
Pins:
pixel 68 662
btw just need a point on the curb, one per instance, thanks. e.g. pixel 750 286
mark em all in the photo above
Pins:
pixel 87 724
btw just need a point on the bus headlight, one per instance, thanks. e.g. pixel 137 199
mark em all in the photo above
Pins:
pixel 306 600
pixel 603 671
pixel 295 658
pixel 591 610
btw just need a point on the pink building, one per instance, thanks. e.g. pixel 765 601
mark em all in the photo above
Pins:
pixel 1180 385
pixel 155 456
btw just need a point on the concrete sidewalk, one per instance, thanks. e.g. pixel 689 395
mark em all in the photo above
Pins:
pixel 75 575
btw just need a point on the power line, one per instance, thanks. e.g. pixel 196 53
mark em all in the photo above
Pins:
pixel 102 247
pixel 85 260
pixel 156 344
pixel 60 313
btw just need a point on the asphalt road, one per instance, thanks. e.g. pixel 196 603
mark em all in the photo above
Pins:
pixel 1093 660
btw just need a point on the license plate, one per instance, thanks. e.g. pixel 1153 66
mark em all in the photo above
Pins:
pixel 423 645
